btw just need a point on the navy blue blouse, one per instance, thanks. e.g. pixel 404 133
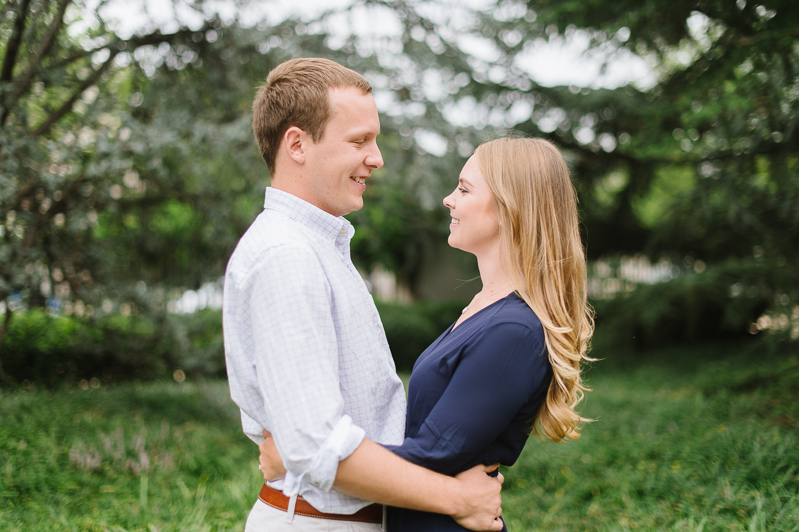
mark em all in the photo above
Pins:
pixel 472 397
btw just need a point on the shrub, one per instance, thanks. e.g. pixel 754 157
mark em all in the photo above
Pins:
pixel 408 332
pixel 722 303
pixel 50 349
pixel 411 328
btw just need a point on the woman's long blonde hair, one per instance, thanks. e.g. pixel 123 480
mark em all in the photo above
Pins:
pixel 544 256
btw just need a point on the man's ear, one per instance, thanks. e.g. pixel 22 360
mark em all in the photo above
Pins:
pixel 294 143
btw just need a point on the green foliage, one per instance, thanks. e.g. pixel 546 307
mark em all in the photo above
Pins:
pixel 199 343
pixel 48 350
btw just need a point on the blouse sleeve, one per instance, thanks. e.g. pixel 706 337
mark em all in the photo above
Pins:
pixel 494 376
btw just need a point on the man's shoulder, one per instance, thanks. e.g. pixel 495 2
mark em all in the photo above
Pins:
pixel 271 236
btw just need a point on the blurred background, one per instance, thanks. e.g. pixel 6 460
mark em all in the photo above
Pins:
pixel 128 171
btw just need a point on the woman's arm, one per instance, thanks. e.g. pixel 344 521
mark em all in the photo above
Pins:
pixel 493 377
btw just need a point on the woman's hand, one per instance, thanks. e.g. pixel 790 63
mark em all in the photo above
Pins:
pixel 271 463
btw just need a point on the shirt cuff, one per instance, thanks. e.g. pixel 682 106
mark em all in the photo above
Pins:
pixel 342 441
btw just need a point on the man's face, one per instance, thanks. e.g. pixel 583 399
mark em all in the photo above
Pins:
pixel 339 164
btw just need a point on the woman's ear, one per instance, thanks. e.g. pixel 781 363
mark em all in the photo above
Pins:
pixel 294 143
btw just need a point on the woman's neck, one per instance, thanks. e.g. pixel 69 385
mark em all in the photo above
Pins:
pixel 492 272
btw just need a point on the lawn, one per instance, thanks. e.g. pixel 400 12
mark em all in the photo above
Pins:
pixel 698 439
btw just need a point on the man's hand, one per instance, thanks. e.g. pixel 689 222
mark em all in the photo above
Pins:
pixel 482 499
pixel 271 463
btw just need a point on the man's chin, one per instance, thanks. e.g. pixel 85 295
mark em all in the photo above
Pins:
pixel 357 205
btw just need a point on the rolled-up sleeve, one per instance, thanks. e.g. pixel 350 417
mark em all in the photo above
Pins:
pixel 295 355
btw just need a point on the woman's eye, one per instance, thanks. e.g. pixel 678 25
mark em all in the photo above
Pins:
pixel 463 190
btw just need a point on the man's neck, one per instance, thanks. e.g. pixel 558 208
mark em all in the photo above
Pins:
pixel 295 188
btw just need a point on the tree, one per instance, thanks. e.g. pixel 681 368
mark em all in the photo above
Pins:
pixel 89 194
pixel 128 170
pixel 705 163
pixel 128 167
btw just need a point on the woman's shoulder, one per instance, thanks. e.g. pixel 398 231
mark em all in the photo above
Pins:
pixel 513 309
pixel 513 316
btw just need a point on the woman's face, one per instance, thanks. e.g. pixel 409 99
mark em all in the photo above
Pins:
pixel 475 223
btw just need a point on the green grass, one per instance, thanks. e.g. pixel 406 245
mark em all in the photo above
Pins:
pixel 680 442
pixel 703 439
pixel 157 456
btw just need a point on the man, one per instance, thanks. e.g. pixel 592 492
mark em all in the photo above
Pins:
pixel 306 354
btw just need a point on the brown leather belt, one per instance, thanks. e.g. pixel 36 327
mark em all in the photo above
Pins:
pixel 369 514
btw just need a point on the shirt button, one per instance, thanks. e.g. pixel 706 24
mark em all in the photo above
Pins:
pixel 342 231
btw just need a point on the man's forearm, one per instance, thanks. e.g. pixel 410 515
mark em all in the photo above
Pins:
pixel 374 473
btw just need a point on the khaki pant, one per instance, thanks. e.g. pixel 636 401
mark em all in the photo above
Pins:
pixel 264 518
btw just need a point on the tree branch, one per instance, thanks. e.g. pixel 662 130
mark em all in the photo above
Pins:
pixel 10 59
pixel 131 44
pixel 67 106
pixel 25 79
pixel 14 42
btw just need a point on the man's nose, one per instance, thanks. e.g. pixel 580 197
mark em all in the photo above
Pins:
pixel 375 159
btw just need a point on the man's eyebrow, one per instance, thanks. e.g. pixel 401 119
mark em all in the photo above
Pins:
pixel 363 133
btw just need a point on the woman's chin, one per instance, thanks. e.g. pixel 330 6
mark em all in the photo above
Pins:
pixel 453 242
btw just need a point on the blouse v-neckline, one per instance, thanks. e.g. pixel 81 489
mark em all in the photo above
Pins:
pixel 458 326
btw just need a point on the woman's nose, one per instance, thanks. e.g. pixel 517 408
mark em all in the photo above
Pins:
pixel 448 201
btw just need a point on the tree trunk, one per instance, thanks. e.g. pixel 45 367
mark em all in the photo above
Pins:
pixel 5 379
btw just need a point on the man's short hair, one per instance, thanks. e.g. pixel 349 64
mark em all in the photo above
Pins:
pixel 296 94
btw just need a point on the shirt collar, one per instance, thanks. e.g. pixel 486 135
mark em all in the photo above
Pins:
pixel 333 228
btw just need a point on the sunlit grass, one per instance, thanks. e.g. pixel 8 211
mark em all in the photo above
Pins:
pixel 680 442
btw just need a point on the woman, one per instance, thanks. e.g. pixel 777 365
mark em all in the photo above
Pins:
pixel 510 364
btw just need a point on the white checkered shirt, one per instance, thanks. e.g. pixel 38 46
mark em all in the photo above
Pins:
pixel 306 354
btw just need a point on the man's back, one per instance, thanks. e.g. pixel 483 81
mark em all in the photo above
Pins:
pixel 306 354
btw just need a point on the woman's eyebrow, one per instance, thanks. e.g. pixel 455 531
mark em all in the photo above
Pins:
pixel 464 182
